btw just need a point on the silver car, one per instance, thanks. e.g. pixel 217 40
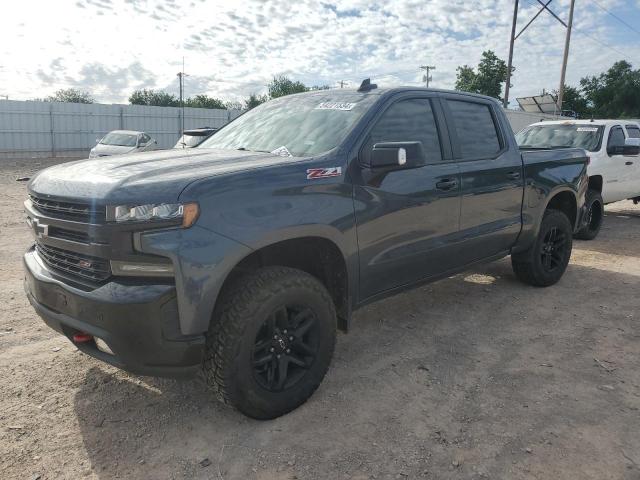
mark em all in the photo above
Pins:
pixel 119 142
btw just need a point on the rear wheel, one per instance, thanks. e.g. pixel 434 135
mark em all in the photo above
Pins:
pixel 271 342
pixel 546 261
pixel 593 216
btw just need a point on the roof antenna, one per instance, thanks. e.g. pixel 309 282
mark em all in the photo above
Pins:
pixel 366 85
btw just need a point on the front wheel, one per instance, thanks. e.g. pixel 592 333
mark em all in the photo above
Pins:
pixel 546 261
pixel 593 216
pixel 270 342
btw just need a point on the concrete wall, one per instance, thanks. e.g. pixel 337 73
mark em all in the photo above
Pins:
pixel 54 129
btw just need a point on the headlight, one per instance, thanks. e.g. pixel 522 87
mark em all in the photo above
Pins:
pixel 188 212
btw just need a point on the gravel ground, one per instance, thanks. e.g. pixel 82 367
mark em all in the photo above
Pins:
pixel 476 376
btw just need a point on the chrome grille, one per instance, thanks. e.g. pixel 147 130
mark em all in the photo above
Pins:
pixel 79 212
pixel 83 266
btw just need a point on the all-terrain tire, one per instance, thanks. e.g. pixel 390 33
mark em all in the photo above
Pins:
pixel 547 259
pixel 595 214
pixel 251 305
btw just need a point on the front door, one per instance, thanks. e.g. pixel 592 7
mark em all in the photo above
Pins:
pixel 491 174
pixel 407 219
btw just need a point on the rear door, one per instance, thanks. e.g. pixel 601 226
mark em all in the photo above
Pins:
pixel 632 164
pixel 491 177
pixel 407 219
pixel 616 168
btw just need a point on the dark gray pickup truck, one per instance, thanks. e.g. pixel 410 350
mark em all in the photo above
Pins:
pixel 244 256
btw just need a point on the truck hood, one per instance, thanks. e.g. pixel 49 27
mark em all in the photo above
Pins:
pixel 150 177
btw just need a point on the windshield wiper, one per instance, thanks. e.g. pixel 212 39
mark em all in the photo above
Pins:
pixel 244 149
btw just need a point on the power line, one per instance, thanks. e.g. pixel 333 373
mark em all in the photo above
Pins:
pixel 595 39
pixel 630 27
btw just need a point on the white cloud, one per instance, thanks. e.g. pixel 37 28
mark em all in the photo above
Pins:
pixel 231 49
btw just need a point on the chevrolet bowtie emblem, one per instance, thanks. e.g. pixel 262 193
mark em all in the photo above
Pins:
pixel 39 229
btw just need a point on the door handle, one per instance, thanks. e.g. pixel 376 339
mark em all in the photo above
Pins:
pixel 628 163
pixel 446 184
pixel 513 175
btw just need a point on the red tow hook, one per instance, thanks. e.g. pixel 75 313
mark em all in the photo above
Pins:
pixel 82 337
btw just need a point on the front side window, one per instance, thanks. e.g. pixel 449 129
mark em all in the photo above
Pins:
pixel 407 121
pixel 616 140
pixel 475 129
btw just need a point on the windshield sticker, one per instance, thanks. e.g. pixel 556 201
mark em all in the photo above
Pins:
pixel 587 129
pixel 315 173
pixel 335 106
pixel 282 151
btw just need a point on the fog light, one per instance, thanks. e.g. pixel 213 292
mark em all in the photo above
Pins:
pixel 102 346
pixel 141 269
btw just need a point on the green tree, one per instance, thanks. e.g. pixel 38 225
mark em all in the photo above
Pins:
pixel 614 93
pixel 254 100
pixel 281 86
pixel 204 101
pixel 573 100
pixel 487 79
pixel 70 95
pixel 156 98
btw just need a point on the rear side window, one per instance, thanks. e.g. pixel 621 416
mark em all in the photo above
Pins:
pixel 407 121
pixel 633 132
pixel 475 128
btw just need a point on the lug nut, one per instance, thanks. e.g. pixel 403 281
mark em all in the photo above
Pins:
pixel 285 331
pixel 275 337
pixel 290 338
pixel 278 356
pixel 272 349
pixel 288 350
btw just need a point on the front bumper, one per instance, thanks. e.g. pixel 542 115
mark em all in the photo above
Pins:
pixel 138 320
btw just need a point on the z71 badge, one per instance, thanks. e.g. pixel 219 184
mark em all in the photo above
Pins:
pixel 315 173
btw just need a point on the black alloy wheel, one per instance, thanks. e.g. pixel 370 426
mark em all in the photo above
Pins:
pixel 285 348
pixel 554 250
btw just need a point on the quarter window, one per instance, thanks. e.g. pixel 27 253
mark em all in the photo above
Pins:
pixel 475 129
pixel 407 121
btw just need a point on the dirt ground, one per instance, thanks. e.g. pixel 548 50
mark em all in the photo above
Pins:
pixel 477 376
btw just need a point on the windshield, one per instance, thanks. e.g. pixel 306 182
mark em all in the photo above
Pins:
pixel 583 136
pixel 299 126
pixel 119 139
pixel 190 141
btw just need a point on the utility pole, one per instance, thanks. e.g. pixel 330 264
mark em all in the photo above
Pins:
pixel 565 57
pixel 427 78
pixel 342 82
pixel 181 76
pixel 509 64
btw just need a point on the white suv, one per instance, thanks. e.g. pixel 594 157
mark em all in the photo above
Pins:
pixel 614 169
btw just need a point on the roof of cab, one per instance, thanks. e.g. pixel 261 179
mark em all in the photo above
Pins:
pixel 594 122
pixel 391 91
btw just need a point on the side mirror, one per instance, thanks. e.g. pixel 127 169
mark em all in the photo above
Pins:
pixel 631 147
pixel 397 155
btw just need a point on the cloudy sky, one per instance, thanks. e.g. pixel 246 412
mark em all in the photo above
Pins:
pixel 232 48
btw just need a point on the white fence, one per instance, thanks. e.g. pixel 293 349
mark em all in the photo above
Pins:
pixel 53 129
pixel 519 119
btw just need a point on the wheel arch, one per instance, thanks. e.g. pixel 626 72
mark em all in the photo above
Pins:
pixel 566 201
pixel 317 255
pixel 595 183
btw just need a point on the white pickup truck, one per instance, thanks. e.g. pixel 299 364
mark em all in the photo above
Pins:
pixel 614 169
